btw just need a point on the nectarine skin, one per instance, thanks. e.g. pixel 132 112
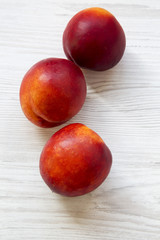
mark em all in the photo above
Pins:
pixel 52 92
pixel 94 39
pixel 75 161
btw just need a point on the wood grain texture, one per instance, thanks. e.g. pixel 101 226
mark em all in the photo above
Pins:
pixel 123 106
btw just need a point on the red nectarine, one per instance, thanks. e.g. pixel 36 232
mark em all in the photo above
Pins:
pixel 52 92
pixel 94 39
pixel 75 161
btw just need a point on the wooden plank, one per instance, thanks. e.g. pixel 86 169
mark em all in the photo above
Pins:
pixel 122 105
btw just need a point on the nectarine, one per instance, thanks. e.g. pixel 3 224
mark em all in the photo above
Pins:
pixel 94 39
pixel 52 92
pixel 75 161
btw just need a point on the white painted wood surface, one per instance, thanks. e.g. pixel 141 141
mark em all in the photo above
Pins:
pixel 123 106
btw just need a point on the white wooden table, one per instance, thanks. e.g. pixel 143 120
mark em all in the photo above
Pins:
pixel 123 106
